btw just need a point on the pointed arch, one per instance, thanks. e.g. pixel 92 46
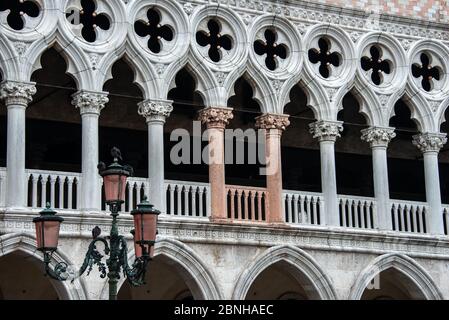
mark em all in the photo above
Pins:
pixel 440 118
pixel 406 266
pixel 9 68
pixel 370 106
pixel 206 84
pixel 263 90
pixel 316 98
pixel 319 286
pixel 197 275
pixel 255 86
pixel 26 243
pixel 144 74
pixel 78 65
pixel 420 111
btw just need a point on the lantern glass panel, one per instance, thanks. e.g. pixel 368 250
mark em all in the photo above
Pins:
pixel 145 227
pixel 114 187
pixel 47 234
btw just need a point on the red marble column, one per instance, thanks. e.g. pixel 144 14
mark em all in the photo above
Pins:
pixel 216 119
pixel 274 125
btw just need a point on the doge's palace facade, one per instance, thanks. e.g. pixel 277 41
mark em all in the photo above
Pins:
pixel 221 240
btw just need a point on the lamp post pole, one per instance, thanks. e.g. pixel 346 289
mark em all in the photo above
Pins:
pixel 115 246
pixel 113 261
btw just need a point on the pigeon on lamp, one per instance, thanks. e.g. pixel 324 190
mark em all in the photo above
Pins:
pixel 116 154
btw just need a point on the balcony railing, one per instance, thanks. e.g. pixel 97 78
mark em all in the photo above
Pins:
pixel 246 203
pixel 302 207
pixel 409 216
pixel 192 199
pixel 446 219
pixel 357 212
pixel 60 189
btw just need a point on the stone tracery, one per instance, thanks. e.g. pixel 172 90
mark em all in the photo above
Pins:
pixel 327 132
pixel 214 40
pixel 90 19
pixel 271 49
pixel 17 9
pixel 153 29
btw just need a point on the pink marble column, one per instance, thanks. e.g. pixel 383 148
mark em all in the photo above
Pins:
pixel 216 119
pixel 274 125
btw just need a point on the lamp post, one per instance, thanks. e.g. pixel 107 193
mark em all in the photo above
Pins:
pixel 145 223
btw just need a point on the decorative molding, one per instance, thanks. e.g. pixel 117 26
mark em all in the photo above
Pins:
pixel 434 105
pixel 347 18
pixel 270 121
pixel 21 47
pixel 79 226
pixel 378 136
pixel 155 110
pixel 277 85
pixel 90 102
pixel 384 98
pixel 221 78
pixel 215 117
pixel 17 93
pixel 94 60
pixel 326 130
pixel 247 19
pixel 188 8
pixel 160 68
pixel 331 92
pixel 406 43
pixel 429 142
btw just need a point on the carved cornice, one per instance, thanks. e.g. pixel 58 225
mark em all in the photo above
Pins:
pixel 215 117
pixel 326 130
pixel 378 136
pixel 155 110
pixel 90 102
pixel 78 226
pixel 349 19
pixel 272 121
pixel 429 142
pixel 17 93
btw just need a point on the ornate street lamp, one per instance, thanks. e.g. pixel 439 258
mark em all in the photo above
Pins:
pixel 145 222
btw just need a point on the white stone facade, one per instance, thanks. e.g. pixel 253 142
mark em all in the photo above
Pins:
pixel 219 260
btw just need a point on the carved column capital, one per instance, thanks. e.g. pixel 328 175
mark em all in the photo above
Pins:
pixel 378 136
pixel 269 121
pixel 215 117
pixel 429 142
pixel 326 130
pixel 17 93
pixel 90 102
pixel 155 110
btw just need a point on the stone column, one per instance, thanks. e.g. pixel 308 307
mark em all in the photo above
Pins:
pixel 90 105
pixel 378 138
pixel 430 144
pixel 327 133
pixel 155 113
pixel 16 96
pixel 216 119
pixel 274 125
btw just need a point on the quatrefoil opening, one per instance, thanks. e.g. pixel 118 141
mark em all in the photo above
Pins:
pixel 154 29
pixel 17 10
pixel 426 71
pixel 376 64
pixel 271 49
pixel 90 19
pixel 325 57
pixel 214 39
